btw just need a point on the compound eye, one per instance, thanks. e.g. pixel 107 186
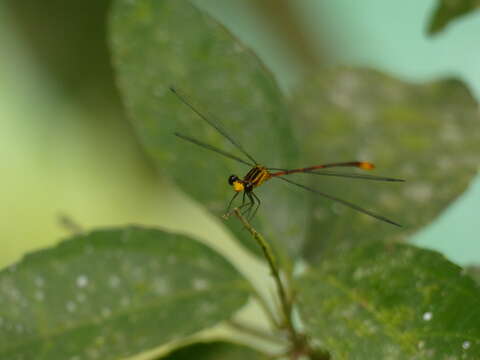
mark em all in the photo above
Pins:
pixel 232 179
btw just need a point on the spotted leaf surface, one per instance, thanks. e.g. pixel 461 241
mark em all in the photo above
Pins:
pixel 157 44
pixel 427 134
pixel 392 301
pixel 112 293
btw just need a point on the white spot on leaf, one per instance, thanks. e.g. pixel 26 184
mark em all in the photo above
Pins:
pixel 200 284
pixel 39 281
pixel 125 301
pixel 114 281
pixel 39 295
pixel 71 306
pixel 19 328
pixel 160 286
pixel 106 312
pixel 427 316
pixel 171 259
pixel 82 281
pixel 420 192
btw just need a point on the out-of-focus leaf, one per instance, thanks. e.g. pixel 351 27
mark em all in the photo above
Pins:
pixel 160 43
pixel 448 11
pixel 391 301
pixel 63 54
pixel 281 17
pixel 427 134
pixel 218 350
pixel 112 293
pixel 474 272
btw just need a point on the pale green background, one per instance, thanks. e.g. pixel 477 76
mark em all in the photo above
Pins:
pixel 102 180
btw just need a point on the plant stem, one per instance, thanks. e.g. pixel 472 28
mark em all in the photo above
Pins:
pixel 285 300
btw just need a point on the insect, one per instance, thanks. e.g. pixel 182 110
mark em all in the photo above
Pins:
pixel 259 174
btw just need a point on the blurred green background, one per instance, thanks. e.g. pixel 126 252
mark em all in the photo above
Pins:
pixel 67 148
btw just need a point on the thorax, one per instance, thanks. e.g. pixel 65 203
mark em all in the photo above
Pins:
pixel 257 175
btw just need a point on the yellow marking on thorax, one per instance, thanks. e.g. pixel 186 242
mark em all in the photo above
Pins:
pixel 257 175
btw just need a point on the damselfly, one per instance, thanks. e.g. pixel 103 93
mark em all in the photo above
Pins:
pixel 259 174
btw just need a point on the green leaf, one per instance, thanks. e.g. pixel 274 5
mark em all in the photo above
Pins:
pixel 218 350
pixel 391 301
pixel 156 44
pixel 448 11
pixel 426 134
pixel 112 293
pixel 474 272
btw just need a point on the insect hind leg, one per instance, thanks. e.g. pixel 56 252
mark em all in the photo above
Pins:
pixel 258 202
pixel 249 205
pixel 243 202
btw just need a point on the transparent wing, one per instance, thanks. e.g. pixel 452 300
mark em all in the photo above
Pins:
pixel 213 148
pixel 183 98
pixel 344 202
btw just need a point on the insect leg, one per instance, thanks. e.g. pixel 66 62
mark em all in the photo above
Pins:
pixel 258 205
pixel 251 204
pixel 231 201
pixel 243 202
